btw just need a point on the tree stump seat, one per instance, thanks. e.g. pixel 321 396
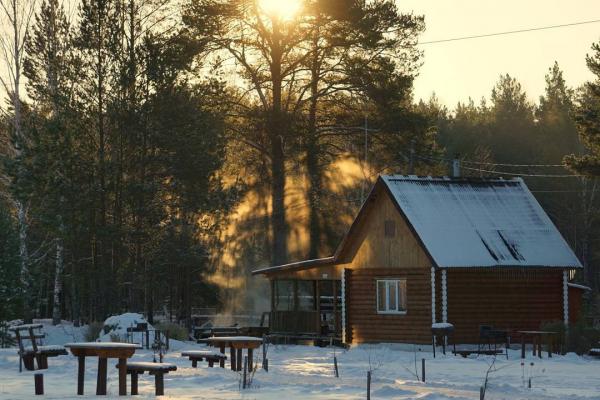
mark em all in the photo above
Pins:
pixel 157 369
pixel 205 355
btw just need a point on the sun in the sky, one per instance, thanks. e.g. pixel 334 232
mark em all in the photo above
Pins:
pixel 284 9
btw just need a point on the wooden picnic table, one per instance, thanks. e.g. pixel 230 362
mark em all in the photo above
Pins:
pixel 236 345
pixel 537 337
pixel 104 351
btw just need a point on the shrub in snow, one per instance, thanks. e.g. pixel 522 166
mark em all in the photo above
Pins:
pixel 115 327
pixel 579 338
pixel 176 331
pixel 93 331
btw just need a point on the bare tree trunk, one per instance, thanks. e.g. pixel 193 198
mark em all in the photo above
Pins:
pixel 278 215
pixel 56 314
pixel 24 257
pixel 313 168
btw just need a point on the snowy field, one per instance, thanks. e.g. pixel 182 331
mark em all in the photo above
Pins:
pixel 306 372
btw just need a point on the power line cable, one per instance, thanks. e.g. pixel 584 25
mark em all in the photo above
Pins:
pixel 518 174
pixel 495 164
pixel 540 28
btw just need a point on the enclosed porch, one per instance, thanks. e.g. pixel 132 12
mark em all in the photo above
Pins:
pixel 306 307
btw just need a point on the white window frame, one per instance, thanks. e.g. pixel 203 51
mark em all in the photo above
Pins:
pixel 399 296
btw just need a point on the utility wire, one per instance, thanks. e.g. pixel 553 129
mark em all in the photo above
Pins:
pixel 540 28
pixel 495 164
pixel 528 175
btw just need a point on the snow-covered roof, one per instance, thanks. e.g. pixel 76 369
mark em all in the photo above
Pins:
pixel 480 222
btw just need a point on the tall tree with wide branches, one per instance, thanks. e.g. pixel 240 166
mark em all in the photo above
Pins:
pixel 289 65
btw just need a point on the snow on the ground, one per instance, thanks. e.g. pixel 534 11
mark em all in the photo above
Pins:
pixel 60 334
pixel 306 372
pixel 115 327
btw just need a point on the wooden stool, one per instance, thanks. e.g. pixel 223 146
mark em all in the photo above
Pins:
pixel 205 355
pixel 156 369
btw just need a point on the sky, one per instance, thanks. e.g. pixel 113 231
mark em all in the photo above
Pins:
pixel 458 70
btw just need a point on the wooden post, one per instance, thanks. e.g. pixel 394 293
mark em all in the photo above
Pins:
pixel 444 344
pixel 423 370
pixel 21 349
pixel 522 345
pixel 194 363
pixel 481 393
pixel 368 385
pixel 245 370
pixel 80 374
pixel 134 383
pixel 232 359
pixel 335 366
pixel 39 383
pixel 122 377
pixel 148 339
pixel 266 365
pixel 566 298
pixel 222 350
pixel 264 353
pixel 159 384
pixel 239 359
pixel 101 381
pixel 250 359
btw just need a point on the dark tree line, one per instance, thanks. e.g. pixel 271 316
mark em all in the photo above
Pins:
pixel 549 143
pixel 146 124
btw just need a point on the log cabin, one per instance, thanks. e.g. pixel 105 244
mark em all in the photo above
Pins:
pixel 425 250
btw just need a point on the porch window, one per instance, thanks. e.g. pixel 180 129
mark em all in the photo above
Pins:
pixel 391 296
pixel 306 296
pixel 284 295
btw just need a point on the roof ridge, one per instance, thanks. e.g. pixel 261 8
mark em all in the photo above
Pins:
pixel 445 178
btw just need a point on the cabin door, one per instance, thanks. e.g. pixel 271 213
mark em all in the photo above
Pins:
pixel 330 306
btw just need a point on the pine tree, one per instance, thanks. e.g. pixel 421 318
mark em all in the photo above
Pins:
pixel 587 117
pixel 10 306
pixel 556 126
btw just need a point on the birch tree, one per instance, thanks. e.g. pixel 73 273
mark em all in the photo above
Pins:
pixel 15 22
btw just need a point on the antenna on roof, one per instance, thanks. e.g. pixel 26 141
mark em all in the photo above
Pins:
pixel 456 166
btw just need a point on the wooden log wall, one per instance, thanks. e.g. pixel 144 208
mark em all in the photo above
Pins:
pixel 366 325
pixel 510 298
pixel 575 304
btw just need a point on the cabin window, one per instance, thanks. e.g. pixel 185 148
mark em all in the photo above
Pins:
pixel 391 296
pixel 306 296
pixel 284 295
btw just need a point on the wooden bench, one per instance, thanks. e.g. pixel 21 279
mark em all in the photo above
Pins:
pixel 205 355
pixel 466 353
pixel 36 351
pixel 156 369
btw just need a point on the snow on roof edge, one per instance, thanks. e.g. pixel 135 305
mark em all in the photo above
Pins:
pixel 571 260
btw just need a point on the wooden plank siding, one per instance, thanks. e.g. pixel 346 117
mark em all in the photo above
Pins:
pixel 296 322
pixel 364 324
pixel 369 247
pixel 507 298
